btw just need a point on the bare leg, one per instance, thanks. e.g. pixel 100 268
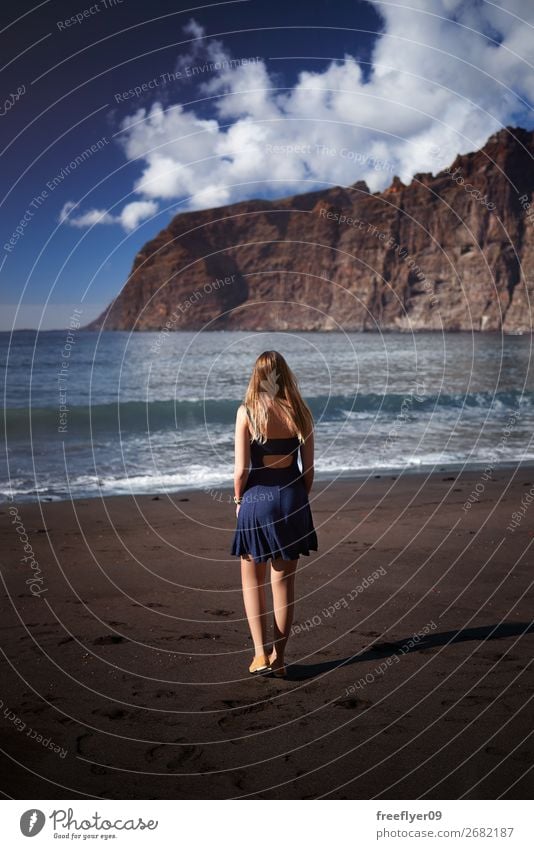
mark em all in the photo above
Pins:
pixel 283 587
pixel 253 582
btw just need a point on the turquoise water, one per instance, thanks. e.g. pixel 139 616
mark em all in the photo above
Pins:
pixel 151 413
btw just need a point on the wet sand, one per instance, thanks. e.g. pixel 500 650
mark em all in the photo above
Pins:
pixel 125 649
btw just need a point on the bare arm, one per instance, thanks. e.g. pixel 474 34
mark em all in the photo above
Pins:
pixel 307 456
pixel 242 452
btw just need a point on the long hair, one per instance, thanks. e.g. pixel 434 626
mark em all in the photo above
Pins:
pixel 273 381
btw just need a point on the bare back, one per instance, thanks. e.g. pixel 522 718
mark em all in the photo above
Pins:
pixel 277 428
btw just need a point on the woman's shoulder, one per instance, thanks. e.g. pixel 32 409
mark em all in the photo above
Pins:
pixel 242 414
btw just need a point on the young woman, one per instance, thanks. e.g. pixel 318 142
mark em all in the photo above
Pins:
pixel 274 520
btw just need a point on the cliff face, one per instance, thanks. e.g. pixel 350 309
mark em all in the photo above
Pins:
pixel 436 254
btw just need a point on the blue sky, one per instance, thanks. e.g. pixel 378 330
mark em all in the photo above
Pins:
pixel 121 114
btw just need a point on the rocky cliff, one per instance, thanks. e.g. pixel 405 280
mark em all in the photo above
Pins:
pixel 452 251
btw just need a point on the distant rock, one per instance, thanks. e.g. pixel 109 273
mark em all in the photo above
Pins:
pixel 437 254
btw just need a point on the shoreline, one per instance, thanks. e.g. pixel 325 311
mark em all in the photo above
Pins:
pixel 360 330
pixel 320 477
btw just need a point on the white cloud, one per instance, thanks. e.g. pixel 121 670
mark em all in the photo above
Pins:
pixel 130 217
pixel 436 82
pixel 85 219
pixel 137 211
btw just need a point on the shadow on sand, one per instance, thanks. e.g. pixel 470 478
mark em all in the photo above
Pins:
pixel 301 672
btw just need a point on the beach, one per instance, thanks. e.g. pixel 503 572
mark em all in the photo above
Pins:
pixel 126 651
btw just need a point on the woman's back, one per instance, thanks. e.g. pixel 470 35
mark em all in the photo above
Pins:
pixel 274 520
pixel 280 450
pixel 278 423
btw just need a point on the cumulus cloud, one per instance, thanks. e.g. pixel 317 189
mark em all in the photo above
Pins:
pixel 137 211
pixel 130 217
pixel 86 219
pixel 443 79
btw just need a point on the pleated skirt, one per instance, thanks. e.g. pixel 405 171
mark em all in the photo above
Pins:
pixel 275 518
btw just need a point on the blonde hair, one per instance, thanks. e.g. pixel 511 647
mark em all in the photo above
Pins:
pixel 273 379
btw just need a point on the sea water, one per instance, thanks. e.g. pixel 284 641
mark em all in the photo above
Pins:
pixel 151 412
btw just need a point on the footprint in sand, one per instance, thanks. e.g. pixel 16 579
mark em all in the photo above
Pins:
pixel 99 770
pixel 220 612
pixel 238 711
pixel 179 755
pixel 242 709
pixel 110 640
pixel 203 636
pixel 110 713
pixel 493 750
pixel 187 755
pixel 353 704
pixel 81 744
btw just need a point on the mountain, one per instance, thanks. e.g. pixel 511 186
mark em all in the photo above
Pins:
pixel 436 254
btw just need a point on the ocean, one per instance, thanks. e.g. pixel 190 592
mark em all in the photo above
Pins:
pixel 88 414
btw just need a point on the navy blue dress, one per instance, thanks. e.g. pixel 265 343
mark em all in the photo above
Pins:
pixel 275 519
